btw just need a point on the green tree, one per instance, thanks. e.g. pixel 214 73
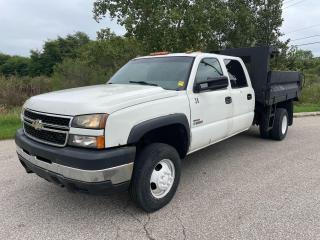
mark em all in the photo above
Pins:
pixel 54 51
pixel 166 25
pixel 112 53
pixel 76 73
pixel 105 34
pixel 240 25
pixel 15 65
pixel 253 23
pixel 294 59
pixel 3 58
pixel 268 22
pixel 96 62
pixel 198 24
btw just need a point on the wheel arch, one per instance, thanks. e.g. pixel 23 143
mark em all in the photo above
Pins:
pixel 263 113
pixel 173 129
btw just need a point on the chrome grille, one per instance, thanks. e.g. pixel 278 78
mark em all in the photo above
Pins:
pixel 48 119
pixel 46 128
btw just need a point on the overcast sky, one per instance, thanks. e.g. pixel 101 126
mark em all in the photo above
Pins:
pixel 26 24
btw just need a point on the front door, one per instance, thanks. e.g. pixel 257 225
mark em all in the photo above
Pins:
pixel 211 111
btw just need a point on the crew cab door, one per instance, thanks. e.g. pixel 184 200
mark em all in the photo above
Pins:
pixel 211 110
pixel 242 95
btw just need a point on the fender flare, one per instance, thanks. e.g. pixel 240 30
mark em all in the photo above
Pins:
pixel 138 131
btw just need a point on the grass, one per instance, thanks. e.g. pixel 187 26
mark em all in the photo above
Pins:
pixel 307 107
pixel 9 123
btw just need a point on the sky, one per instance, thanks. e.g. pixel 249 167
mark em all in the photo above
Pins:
pixel 26 24
pixel 301 20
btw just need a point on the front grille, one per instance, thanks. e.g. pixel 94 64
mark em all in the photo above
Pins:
pixel 61 121
pixel 46 128
pixel 50 137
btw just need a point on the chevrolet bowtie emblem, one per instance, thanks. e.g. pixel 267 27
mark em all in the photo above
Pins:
pixel 37 124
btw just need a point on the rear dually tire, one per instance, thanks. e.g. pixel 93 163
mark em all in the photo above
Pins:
pixel 280 125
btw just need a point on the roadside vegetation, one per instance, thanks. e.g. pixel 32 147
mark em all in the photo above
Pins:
pixel 9 122
pixel 76 60
pixel 307 107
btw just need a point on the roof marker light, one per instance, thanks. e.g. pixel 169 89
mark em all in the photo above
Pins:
pixel 159 53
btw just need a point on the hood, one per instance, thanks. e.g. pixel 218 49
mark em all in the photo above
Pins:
pixel 106 98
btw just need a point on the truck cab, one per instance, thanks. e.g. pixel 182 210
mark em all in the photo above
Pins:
pixel 132 132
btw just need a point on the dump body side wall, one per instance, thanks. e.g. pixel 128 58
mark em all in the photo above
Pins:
pixel 283 86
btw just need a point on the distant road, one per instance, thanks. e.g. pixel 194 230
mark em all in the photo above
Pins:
pixel 242 188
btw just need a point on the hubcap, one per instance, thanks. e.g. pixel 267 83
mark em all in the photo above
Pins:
pixel 162 178
pixel 284 124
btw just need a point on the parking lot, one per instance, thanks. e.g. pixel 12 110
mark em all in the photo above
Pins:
pixel 242 188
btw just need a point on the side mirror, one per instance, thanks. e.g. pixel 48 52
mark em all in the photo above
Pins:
pixel 215 83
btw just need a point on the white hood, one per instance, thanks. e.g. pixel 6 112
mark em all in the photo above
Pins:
pixel 106 98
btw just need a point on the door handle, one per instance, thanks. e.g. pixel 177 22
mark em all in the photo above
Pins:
pixel 228 100
pixel 249 96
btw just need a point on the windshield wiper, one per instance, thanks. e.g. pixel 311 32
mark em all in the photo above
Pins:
pixel 144 83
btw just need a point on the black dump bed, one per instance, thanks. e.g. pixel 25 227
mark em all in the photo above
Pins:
pixel 270 86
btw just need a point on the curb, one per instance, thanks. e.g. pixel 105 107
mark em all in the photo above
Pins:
pixel 306 114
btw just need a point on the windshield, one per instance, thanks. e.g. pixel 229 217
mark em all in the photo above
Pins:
pixel 170 73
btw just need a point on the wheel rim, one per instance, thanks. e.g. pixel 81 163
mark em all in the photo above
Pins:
pixel 162 178
pixel 284 124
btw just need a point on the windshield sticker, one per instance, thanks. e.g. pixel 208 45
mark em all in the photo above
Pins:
pixel 180 83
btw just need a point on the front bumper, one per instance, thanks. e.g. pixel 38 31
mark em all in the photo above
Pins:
pixel 94 171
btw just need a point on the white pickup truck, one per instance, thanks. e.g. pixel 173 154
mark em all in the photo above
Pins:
pixel 132 132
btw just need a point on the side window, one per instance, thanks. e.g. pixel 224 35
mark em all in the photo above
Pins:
pixel 236 74
pixel 208 68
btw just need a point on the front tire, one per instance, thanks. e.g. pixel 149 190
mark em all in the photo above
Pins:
pixel 156 176
pixel 280 125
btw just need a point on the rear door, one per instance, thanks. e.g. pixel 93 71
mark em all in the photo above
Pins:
pixel 211 112
pixel 242 96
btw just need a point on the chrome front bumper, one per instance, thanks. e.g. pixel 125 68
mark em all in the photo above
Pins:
pixel 116 175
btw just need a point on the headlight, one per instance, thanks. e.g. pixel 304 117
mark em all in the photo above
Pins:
pixel 86 141
pixel 93 121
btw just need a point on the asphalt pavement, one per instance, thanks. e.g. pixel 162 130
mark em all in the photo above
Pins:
pixel 242 188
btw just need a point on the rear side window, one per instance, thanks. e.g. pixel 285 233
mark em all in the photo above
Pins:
pixel 208 68
pixel 236 74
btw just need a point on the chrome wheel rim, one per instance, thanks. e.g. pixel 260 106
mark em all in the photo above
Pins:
pixel 162 178
pixel 284 124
